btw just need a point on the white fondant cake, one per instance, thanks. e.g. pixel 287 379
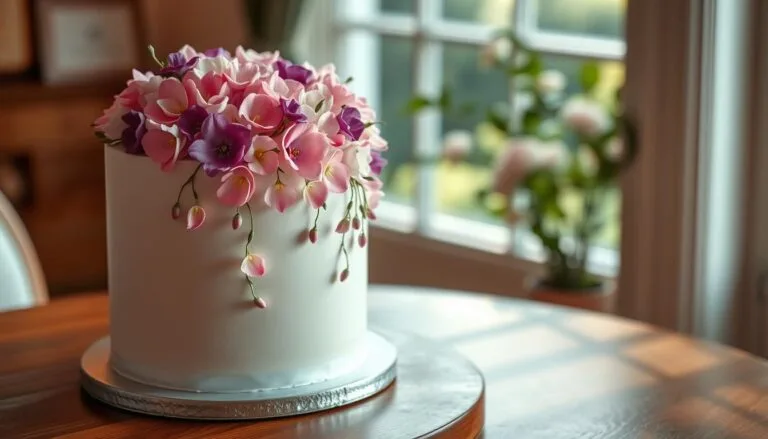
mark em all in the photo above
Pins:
pixel 182 315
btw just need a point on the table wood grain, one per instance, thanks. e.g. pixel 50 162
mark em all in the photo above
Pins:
pixel 550 373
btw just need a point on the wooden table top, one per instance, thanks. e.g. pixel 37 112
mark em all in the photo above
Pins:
pixel 550 372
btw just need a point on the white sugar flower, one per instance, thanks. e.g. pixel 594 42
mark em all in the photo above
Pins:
pixel 497 50
pixel 585 116
pixel 522 156
pixel 551 81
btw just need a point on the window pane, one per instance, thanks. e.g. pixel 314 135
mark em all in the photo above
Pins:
pixel 497 13
pixel 397 6
pixel 397 127
pixel 597 18
pixel 611 75
pixel 473 88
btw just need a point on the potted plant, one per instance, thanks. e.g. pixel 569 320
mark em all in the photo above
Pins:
pixel 560 148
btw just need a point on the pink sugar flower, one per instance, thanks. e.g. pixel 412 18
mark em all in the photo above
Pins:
pixel 163 145
pixel 282 88
pixel 342 96
pixel 261 112
pixel 262 157
pixel 285 191
pixel 195 217
pixel 329 125
pixel 336 173
pixel 373 201
pixel 210 92
pixel 304 150
pixel 237 187
pixel 111 122
pixel 373 190
pixel 253 266
pixel 357 157
pixel 244 74
pixel 316 192
pixel 250 55
pixel 171 102
pixel 188 51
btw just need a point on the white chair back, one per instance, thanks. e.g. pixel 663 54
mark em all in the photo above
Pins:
pixel 22 283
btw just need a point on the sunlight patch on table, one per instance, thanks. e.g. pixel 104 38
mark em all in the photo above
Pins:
pixel 514 346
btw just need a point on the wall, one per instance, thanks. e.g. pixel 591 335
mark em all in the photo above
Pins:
pixel 203 24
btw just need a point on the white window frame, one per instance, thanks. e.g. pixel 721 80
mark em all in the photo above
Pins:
pixel 358 24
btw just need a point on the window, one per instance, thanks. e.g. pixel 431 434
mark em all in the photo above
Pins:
pixel 396 48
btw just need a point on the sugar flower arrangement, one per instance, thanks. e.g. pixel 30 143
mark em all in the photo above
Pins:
pixel 272 131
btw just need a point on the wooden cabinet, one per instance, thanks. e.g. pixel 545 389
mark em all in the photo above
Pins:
pixel 65 215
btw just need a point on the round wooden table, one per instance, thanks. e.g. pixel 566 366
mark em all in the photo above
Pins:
pixel 550 373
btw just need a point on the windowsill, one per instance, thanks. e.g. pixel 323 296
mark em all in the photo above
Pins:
pixel 492 243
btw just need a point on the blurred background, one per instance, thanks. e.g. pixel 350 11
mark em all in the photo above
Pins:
pixel 61 61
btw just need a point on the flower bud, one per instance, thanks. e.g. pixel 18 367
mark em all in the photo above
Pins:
pixel 361 240
pixel 356 223
pixel 313 235
pixel 176 211
pixel 261 303
pixel 371 215
pixel 344 275
pixel 237 221
pixel 343 226
pixel 195 217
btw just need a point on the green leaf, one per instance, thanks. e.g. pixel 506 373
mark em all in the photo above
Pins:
pixel 348 80
pixel 319 105
pixel 553 210
pixel 496 203
pixel 368 177
pixel 498 116
pixel 535 65
pixel 590 76
pixel 416 104
pixel 325 206
pixel 446 98
pixel 532 67
pixel 531 121
pixel 576 175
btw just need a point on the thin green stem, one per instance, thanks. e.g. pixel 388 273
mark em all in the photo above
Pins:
pixel 317 216
pixel 189 180
pixel 250 232
pixel 250 285
pixel 154 56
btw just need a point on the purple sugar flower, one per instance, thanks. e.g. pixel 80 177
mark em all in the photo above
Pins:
pixel 134 132
pixel 216 52
pixel 221 146
pixel 288 70
pixel 350 123
pixel 377 162
pixel 191 121
pixel 178 65
pixel 292 110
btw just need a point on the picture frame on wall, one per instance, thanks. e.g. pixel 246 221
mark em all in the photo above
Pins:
pixel 82 41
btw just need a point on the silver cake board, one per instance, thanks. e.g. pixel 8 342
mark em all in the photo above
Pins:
pixel 375 374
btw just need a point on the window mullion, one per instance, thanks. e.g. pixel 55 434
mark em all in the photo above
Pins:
pixel 427 77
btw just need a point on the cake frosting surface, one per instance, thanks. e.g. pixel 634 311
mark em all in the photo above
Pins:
pixel 181 315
